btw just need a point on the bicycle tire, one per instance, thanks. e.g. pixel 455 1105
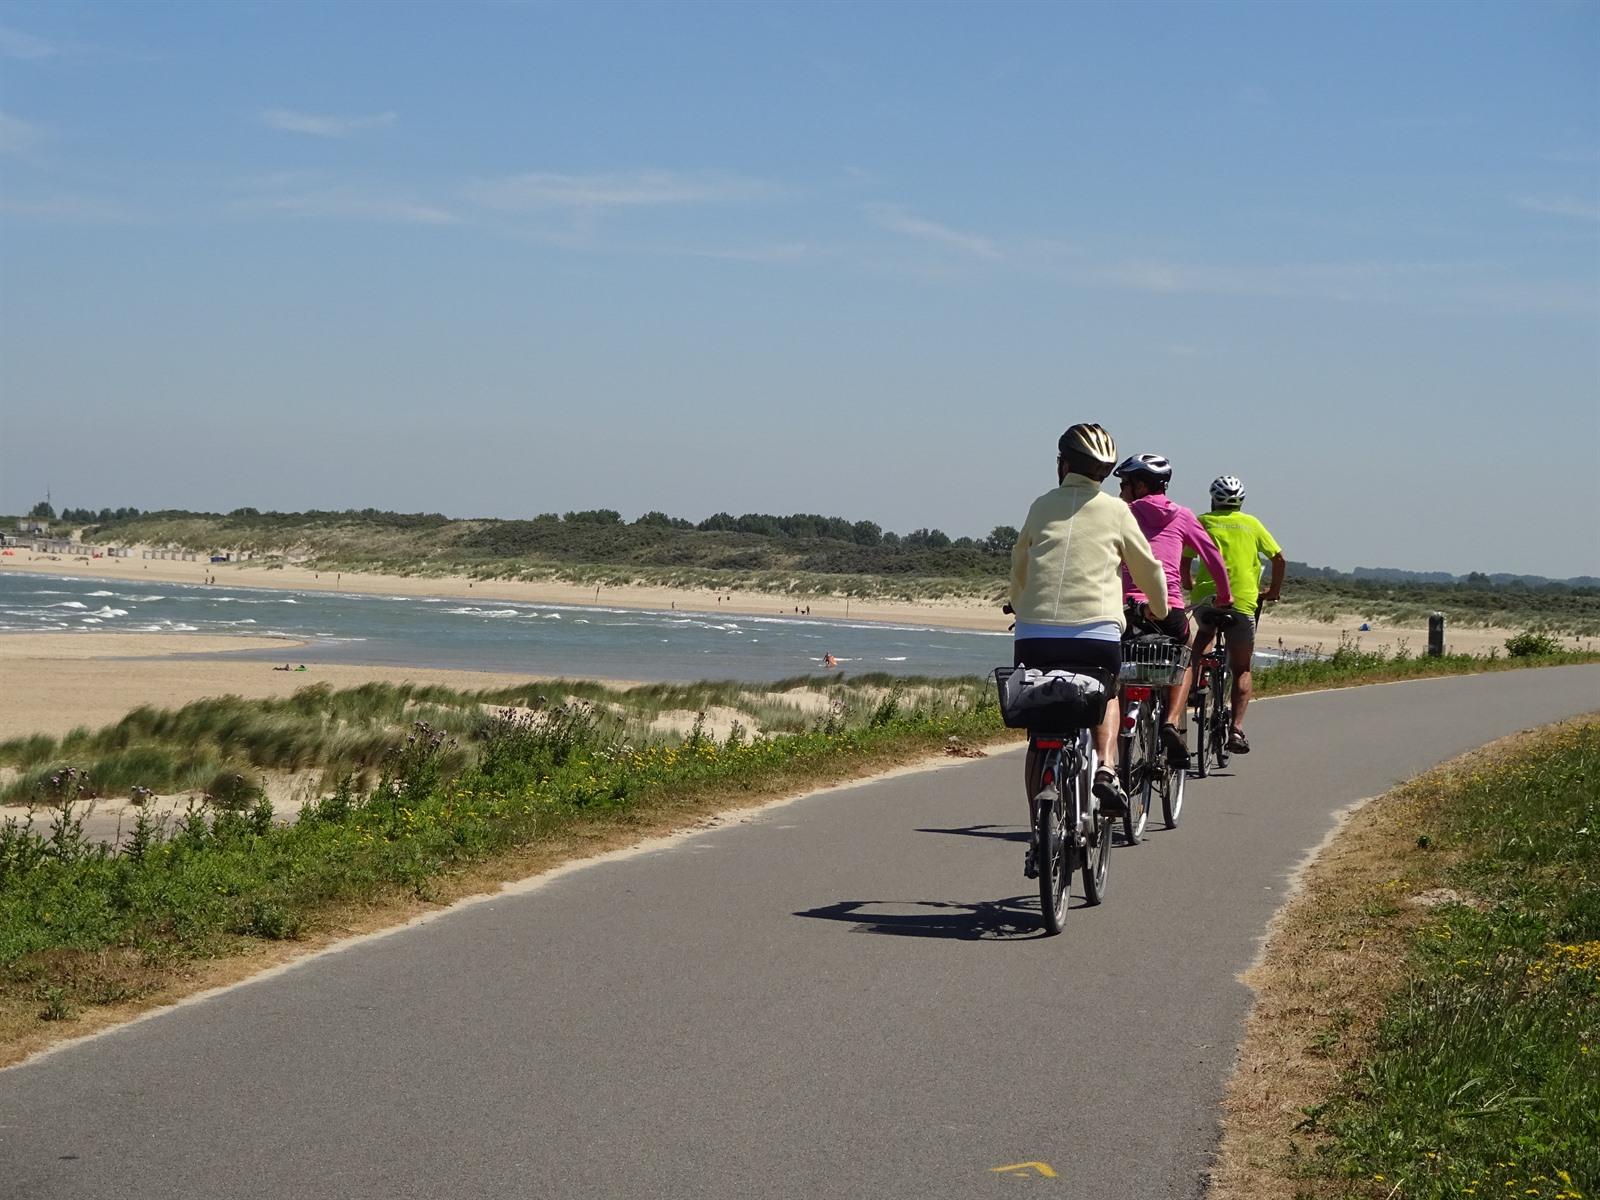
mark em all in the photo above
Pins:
pixel 1172 781
pixel 1138 776
pixel 1052 854
pixel 1222 718
pixel 1200 733
pixel 1097 856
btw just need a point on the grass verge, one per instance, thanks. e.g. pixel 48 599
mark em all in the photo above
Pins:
pixel 1427 1019
pixel 1348 666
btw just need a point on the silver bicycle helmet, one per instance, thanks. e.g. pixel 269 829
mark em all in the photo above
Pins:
pixel 1226 490
pixel 1151 466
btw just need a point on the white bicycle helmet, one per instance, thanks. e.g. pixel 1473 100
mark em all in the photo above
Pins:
pixel 1227 491
pixel 1151 466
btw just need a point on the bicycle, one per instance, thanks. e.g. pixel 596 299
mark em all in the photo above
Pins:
pixel 1213 689
pixel 1150 665
pixel 1070 830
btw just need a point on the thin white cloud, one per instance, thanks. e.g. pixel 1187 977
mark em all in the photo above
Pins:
pixel 1367 282
pixel 325 126
pixel 1561 206
pixel 775 252
pixel 344 204
pixel 899 220
pixel 67 209
pixel 17 135
pixel 538 191
pixel 16 44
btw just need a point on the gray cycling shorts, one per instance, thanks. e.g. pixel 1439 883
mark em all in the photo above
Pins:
pixel 1238 626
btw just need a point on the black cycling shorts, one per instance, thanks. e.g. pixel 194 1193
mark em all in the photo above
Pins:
pixel 1174 625
pixel 1090 656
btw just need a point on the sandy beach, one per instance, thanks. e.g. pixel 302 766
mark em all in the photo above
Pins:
pixel 57 682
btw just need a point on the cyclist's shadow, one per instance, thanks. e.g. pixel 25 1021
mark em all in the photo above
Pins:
pixel 1003 833
pixel 1013 919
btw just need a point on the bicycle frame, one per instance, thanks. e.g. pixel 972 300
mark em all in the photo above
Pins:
pixel 1070 761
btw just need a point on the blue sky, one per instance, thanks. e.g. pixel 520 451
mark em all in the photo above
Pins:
pixel 497 258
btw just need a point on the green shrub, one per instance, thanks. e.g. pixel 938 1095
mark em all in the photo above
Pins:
pixel 1532 645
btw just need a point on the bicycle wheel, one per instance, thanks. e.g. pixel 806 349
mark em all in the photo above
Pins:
pixel 1053 854
pixel 1221 718
pixel 1200 730
pixel 1138 771
pixel 1172 781
pixel 1097 855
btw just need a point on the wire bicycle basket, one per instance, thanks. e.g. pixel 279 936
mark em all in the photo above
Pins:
pixel 1153 663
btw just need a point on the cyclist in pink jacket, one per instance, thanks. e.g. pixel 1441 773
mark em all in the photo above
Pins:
pixel 1170 529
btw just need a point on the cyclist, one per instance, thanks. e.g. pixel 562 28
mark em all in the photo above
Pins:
pixel 1172 531
pixel 1065 592
pixel 1244 542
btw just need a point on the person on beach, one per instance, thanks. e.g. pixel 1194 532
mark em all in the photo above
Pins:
pixel 1066 594
pixel 1244 542
pixel 1172 531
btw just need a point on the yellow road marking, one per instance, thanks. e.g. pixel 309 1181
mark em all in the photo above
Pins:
pixel 1020 1170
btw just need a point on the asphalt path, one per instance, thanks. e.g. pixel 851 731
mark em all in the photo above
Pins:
pixel 846 996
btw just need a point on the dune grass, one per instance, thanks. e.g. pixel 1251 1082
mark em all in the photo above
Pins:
pixel 353 730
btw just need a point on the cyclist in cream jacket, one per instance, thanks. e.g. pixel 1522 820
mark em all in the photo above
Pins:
pixel 1066 588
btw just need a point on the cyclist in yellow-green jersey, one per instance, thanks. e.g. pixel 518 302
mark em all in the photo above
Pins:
pixel 1243 542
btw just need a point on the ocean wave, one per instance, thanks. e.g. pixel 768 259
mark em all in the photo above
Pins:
pixel 483 612
pixel 93 594
pixel 48 592
pixel 108 611
pixel 67 603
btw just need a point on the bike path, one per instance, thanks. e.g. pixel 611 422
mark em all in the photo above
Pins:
pixel 843 997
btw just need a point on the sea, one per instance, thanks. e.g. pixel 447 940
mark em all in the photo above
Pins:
pixel 575 641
